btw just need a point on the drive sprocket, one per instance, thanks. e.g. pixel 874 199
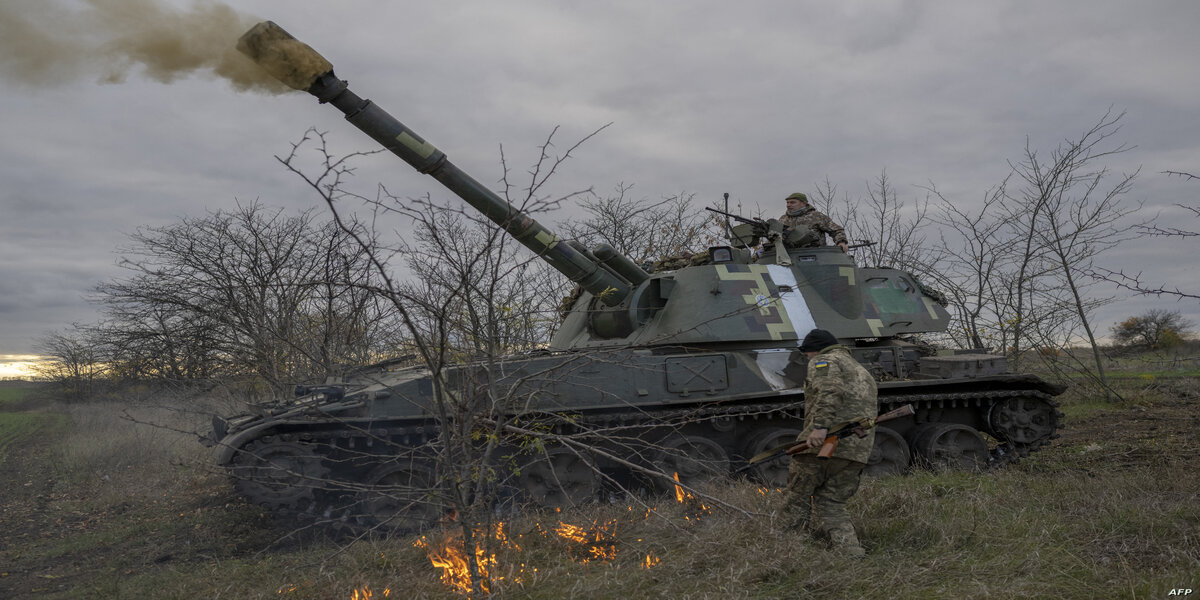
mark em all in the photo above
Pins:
pixel 1023 424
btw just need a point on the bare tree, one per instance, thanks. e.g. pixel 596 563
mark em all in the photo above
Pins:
pixel 1133 281
pixel 74 365
pixel 157 342
pixel 250 293
pixel 823 197
pixel 1017 268
pixel 508 305
pixel 1073 213
pixel 643 230
pixel 973 251
pixel 896 228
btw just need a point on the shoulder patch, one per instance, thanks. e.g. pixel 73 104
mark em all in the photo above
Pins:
pixel 817 364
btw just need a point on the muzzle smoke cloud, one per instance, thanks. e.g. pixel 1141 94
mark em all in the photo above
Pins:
pixel 47 42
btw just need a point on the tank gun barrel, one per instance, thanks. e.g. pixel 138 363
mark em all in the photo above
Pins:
pixel 300 67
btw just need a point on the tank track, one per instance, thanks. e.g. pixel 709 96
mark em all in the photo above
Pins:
pixel 324 496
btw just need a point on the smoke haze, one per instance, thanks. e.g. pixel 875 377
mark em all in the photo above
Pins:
pixel 45 43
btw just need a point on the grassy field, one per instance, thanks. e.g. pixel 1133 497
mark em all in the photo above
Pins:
pixel 119 503
pixel 12 393
pixel 16 426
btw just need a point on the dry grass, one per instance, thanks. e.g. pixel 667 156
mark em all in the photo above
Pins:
pixel 135 450
pixel 1110 510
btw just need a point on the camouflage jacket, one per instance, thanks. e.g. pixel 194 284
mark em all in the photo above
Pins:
pixel 838 389
pixel 818 222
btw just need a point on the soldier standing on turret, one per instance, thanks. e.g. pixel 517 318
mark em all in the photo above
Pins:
pixel 799 212
pixel 837 390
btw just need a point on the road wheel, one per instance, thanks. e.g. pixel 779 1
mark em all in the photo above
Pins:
pixel 890 454
pixel 1024 421
pixel 773 473
pixel 949 446
pixel 402 495
pixel 695 459
pixel 559 477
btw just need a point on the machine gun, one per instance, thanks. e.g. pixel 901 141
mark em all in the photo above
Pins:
pixel 739 218
pixel 771 229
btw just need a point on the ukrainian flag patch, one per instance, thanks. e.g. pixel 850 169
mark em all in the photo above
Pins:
pixel 817 364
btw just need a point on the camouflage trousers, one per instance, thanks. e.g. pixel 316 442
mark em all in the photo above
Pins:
pixel 818 489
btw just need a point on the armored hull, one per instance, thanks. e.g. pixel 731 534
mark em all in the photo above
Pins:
pixel 669 403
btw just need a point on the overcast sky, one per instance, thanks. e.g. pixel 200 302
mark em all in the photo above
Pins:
pixel 755 98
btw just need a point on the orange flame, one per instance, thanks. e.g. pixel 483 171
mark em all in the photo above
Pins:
pixel 596 543
pixel 680 494
pixel 686 498
pixel 650 561
pixel 365 593
pixel 451 557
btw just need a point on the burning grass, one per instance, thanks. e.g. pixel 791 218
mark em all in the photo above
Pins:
pixel 506 561
pixel 450 554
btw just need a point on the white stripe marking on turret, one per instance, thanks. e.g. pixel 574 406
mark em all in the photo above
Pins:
pixel 793 302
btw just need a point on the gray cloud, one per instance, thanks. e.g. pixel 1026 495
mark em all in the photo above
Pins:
pixel 757 99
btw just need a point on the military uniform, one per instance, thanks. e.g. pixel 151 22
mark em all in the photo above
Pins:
pixel 818 222
pixel 837 390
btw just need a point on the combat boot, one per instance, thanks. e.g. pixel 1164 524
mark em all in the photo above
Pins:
pixel 843 539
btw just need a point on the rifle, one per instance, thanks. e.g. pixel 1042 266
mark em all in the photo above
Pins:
pixel 857 427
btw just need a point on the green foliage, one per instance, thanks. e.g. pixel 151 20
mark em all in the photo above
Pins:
pixel 1170 339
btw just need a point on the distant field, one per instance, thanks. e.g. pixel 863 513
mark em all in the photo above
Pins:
pixel 15 426
pixel 10 394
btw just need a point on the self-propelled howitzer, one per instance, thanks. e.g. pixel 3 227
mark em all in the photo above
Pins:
pixel 688 370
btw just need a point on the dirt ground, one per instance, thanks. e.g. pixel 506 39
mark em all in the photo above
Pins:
pixel 58 536
pixel 29 515
pixel 1166 429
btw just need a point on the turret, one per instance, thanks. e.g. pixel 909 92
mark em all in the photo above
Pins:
pixel 610 277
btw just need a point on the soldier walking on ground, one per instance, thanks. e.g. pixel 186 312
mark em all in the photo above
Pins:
pixel 837 390
pixel 799 212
